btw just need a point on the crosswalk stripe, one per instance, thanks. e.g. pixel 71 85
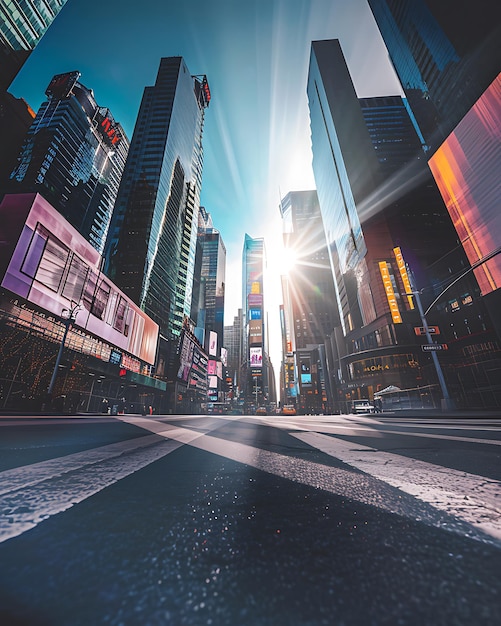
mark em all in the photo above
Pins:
pixel 366 488
pixel 473 499
pixel 29 502
pixel 27 475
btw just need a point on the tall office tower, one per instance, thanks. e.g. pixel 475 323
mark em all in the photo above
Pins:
pixel 150 251
pixel 74 155
pixel 310 277
pixel 253 320
pixel 213 279
pixel 346 174
pixel 444 56
pixel 394 136
pixel 309 295
pixel 373 235
pixel 448 62
pixel 22 25
pixel 16 116
pixel 233 343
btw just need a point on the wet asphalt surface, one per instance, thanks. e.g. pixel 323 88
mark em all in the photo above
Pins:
pixel 195 538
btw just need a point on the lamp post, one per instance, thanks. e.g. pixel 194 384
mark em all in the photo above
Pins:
pixel 447 403
pixel 68 317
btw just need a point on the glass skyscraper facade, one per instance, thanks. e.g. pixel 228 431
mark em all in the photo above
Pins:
pixel 22 25
pixel 310 314
pixel 213 273
pixel 310 280
pixel 405 226
pixel 445 55
pixel 74 155
pixel 345 174
pixel 151 246
pixel 253 317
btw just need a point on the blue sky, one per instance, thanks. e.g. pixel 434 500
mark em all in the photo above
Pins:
pixel 255 55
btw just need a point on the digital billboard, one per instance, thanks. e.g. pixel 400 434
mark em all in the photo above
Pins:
pixel 305 371
pixel 48 263
pixel 467 169
pixel 224 356
pixel 255 332
pixel 390 293
pixel 212 343
pixel 256 357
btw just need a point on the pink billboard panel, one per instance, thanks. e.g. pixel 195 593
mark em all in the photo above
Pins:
pixel 213 343
pixel 467 170
pixel 256 357
pixel 48 263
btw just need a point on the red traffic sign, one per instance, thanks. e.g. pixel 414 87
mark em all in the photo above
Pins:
pixel 434 347
pixel 421 330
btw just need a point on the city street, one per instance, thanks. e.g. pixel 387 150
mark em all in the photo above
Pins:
pixel 246 520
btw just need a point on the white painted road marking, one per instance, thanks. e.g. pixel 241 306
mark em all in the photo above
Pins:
pixel 35 492
pixel 474 499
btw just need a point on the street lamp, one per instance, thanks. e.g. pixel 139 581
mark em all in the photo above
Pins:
pixel 68 317
pixel 447 402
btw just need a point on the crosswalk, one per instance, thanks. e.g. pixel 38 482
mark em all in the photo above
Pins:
pixel 442 497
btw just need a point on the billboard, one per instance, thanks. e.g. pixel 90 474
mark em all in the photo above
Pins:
pixel 61 85
pixel 254 299
pixel 255 332
pixel 402 268
pixel 390 293
pixel 305 371
pixel 212 382
pixel 467 169
pixel 256 357
pixel 48 263
pixel 212 343
pixel 224 356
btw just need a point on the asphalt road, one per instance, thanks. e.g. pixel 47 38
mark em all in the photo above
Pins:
pixel 334 520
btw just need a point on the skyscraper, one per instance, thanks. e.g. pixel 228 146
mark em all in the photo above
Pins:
pixel 150 251
pixel 74 155
pixel 309 294
pixel 22 25
pixel 253 319
pixel 310 277
pixel 444 56
pixel 346 174
pixel 448 62
pixel 233 343
pixel 212 277
pixel 376 223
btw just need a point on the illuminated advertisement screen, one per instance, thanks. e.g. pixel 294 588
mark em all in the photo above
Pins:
pixel 224 356
pixel 211 367
pixel 254 299
pixel 46 261
pixel 305 372
pixel 255 314
pixel 256 357
pixel 213 382
pixel 255 332
pixel 467 169
pixel 212 343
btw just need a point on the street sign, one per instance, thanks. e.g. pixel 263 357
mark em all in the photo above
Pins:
pixel 434 347
pixel 421 330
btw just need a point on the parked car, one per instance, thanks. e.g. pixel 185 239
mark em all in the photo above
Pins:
pixel 362 406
